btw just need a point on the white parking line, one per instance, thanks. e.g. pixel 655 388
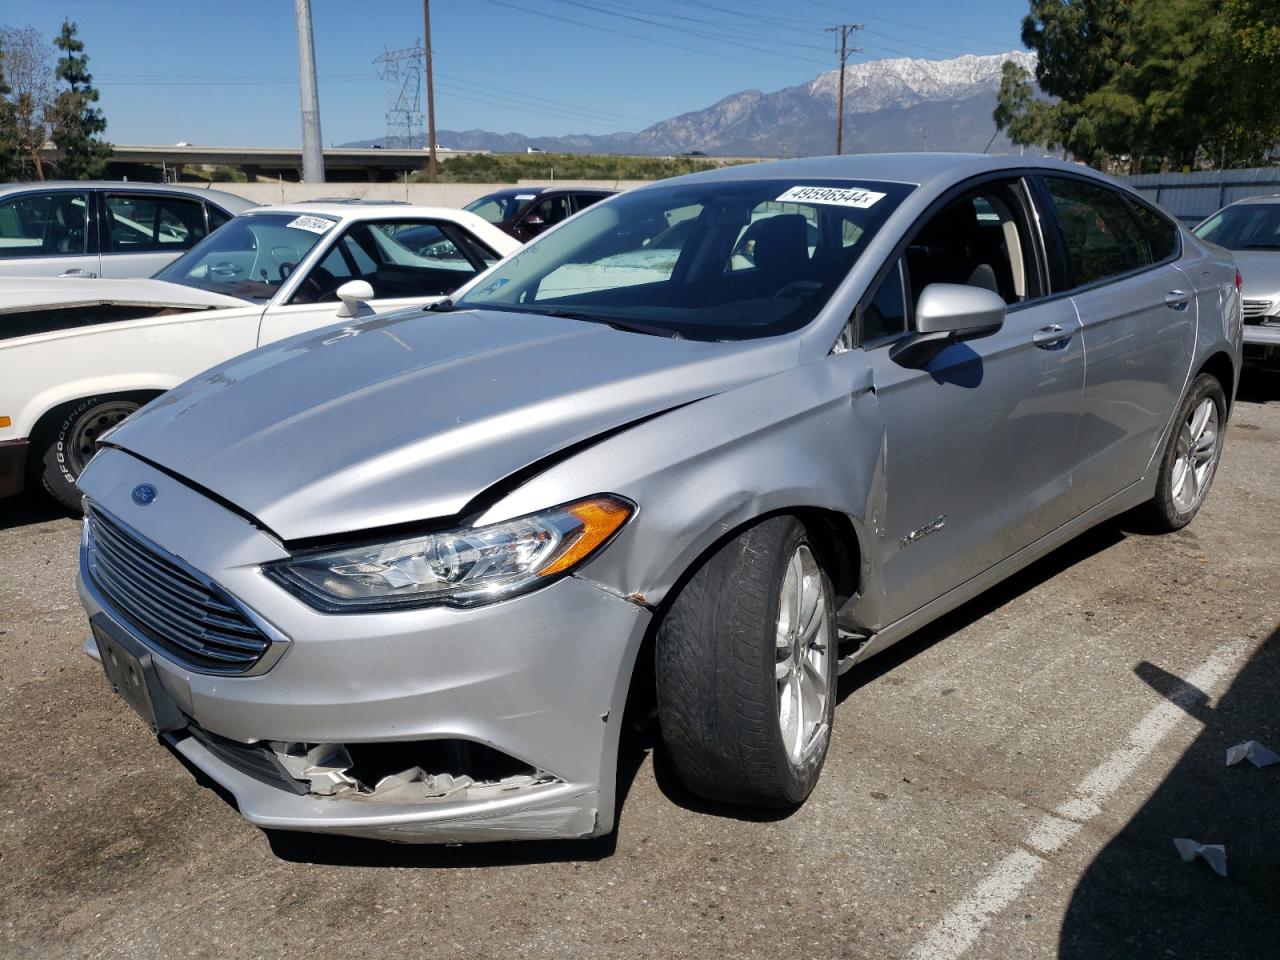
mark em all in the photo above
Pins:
pixel 953 935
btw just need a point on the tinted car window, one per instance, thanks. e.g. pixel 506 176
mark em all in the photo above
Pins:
pixel 501 206
pixel 658 259
pixel 1161 234
pixel 885 314
pixel 583 200
pixel 551 210
pixel 138 222
pixel 217 217
pixel 1101 237
pixel 44 224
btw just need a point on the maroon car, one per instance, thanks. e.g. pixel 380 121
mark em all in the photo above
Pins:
pixel 524 212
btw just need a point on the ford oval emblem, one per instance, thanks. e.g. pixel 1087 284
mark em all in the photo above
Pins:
pixel 143 494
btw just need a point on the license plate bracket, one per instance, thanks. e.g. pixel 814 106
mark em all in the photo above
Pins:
pixel 132 675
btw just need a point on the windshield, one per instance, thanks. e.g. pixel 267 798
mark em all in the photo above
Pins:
pixel 1249 226
pixel 501 206
pixel 251 256
pixel 717 260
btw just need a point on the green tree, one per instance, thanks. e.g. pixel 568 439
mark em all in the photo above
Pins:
pixel 77 123
pixel 9 166
pixel 1246 41
pixel 1028 120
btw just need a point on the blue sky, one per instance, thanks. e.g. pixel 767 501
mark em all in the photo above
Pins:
pixel 225 73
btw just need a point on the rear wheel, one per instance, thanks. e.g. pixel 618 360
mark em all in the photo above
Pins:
pixel 746 669
pixel 1190 458
pixel 72 440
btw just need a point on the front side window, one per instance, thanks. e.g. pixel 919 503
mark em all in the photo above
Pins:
pixel 1246 226
pixel 980 239
pixel 251 256
pixel 1101 237
pixel 44 225
pixel 710 260
pixel 399 259
pixel 547 213
pixel 138 223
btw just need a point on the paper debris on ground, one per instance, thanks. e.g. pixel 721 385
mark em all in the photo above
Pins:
pixel 1252 751
pixel 1214 854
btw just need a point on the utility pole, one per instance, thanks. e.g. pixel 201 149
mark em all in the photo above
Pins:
pixel 431 92
pixel 312 145
pixel 844 29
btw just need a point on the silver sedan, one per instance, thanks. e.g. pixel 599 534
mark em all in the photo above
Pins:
pixel 1250 229
pixel 703 446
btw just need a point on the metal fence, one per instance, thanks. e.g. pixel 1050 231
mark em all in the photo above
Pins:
pixel 1193 196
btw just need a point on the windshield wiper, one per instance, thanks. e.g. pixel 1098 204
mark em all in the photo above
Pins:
pixel 441 306
pixel 629 326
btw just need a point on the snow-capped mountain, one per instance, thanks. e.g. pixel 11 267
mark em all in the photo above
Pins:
pixel 897 104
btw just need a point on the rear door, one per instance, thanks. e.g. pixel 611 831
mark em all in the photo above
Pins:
pixel 407 262
pixel 48 233
pixel 1138 316
pixel 142 232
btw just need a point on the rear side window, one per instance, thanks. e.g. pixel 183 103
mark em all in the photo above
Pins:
pixel 141 222
pixel 1101 237
pixel 217 217
pixel 44 225
pixel 1161 234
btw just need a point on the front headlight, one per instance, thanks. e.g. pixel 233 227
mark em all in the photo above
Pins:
pixel 459 567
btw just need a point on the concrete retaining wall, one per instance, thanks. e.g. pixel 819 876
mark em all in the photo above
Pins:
pixel 427 194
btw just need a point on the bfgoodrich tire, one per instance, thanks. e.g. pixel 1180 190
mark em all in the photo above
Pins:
pixel 70 440
pixel 746 669
pixel 1190 458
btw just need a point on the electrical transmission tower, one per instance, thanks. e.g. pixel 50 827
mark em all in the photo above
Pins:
pixel 401 71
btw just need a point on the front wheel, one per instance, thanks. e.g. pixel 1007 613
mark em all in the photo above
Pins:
pixel 1191 457
pixel 746 669
pixel 71 442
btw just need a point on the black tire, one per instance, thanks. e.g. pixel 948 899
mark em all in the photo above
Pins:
pixel 717 686
pixel 1162 513
pixel 66 445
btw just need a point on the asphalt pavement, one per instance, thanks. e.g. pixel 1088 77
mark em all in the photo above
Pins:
pixel 1008 783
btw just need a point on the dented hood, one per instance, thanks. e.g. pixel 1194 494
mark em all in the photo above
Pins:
pixel 408 417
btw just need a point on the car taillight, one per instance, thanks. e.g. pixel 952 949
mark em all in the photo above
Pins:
pixel 1239 282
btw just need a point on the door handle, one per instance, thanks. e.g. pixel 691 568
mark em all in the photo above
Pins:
pixel 78 273
pixel 1054 335
pixel 1177 299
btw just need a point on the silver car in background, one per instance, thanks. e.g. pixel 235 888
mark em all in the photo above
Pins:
pixel 707 444
pixel 1250 229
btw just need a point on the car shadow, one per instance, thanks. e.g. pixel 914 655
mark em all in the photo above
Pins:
pixel 30 506
pixel 1137 898
pixel 1088 544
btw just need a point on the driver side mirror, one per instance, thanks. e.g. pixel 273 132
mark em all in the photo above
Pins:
pixel 354 294
pixel 959 308
pixel 535 222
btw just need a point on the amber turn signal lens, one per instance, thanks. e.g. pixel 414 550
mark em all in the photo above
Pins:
pixel 601 517
pixel 5 422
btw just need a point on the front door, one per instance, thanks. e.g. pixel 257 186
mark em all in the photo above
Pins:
pixel 979 432
pixel 48 233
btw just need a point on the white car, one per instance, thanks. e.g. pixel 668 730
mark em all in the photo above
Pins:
pixel 77 356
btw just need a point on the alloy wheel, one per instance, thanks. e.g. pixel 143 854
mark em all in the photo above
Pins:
pixel 803 646
pixel 1197 456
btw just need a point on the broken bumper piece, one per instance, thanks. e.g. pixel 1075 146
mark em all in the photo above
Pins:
pixel 536 808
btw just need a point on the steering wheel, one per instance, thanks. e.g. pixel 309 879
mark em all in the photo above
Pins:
pixel 226 271
pixel 797 288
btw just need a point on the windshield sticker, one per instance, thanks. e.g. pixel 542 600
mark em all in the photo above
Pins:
pixel 526 196
pixel 839 196
pixel 313 224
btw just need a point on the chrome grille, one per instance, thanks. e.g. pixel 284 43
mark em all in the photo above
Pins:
pixel 194 622
pixel 1256 309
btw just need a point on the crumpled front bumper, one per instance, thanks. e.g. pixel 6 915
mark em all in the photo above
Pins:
pixel 542 678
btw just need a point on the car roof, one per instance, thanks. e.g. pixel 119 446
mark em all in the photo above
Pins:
pixel 344 210
pixel 917 169
pixel 222 198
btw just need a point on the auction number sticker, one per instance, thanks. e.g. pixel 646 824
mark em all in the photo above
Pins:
pixel 313 224
pixel 839 196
